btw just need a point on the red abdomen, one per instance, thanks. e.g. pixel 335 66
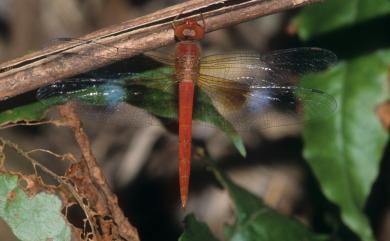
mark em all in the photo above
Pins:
pixel 187 73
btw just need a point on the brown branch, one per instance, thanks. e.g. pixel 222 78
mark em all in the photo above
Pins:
pixel 135 36
pixel 63 181
pixel 121 225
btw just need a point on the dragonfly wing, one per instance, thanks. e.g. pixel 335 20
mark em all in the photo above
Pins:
pixel 90 90
pixel 243 104
pixel 286 105
pixel 300 60
pixel 112 52
pixel 162 57
pixel 144 90
pixel 247 87
pixel 279 68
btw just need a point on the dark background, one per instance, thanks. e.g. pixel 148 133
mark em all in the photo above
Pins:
pixel 140 161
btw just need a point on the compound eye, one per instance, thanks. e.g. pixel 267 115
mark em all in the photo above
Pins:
pixel 198 32
pixel 189 31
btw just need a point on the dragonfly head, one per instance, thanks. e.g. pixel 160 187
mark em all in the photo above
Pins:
pixel 189 30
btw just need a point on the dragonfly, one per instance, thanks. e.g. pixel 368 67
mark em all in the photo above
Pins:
pixel 241 86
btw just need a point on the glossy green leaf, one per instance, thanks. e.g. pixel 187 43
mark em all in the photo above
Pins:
pixel 30 112
pixel 329 15
pixel 157 97
pixel 165 92
pixel 344 150
pixel 196 231
pixel 35 218
pixel 255 221
pixel 203 111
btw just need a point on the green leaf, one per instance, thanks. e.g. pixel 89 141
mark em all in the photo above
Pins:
pixel 255 221
pixel 157 97
pixel 150 99
pixel 31 219
pixel 330 15
pixel 203 111
pixel 344 151
pixel 29 112
pixel 196 231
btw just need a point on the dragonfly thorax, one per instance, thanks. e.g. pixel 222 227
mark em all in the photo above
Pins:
pixel 187 61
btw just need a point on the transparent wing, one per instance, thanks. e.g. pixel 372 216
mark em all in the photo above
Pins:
pixel 280 67
pixel 112 52
pixel 142 90
pixel 162 57
pixel 94 91
pixel 144 81
pixel 270 106
pixel 252 89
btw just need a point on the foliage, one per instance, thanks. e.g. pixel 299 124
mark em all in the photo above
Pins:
pixel 254 220
pixel 344 156
pixel 144 94
pixel 332 15
pixel 345 150
pixel 35 218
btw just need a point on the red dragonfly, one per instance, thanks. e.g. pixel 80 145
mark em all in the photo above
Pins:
pixel 187 65
pixel 238 84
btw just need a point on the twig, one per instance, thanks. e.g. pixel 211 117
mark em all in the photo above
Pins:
pixel 136 36
pixel 125 229
pixel 59 179
pixel 30 123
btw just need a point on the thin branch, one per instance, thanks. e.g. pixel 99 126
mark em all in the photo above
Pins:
pixel 125 229
pixel 59 179
pixel 135 36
